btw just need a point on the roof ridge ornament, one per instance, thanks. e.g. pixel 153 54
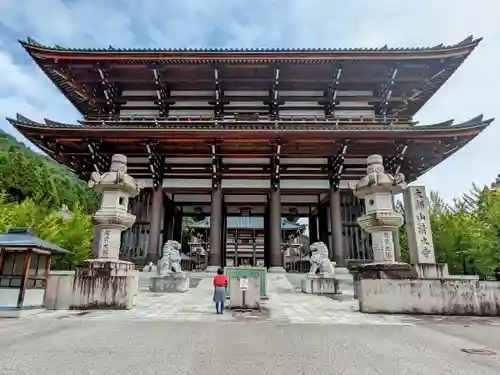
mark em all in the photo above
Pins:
pixel 33 42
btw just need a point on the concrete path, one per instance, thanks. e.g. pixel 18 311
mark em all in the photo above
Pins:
pixel 119 347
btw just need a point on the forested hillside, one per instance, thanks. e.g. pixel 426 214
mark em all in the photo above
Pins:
pixel 33 190
pixel 27 174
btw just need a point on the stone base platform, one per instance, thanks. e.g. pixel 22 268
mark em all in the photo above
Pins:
pixel 384 271
pixel 177 282
pixel 320 284
pixel 427 296
pixel 431 270
pixel 364 270
pixel 105 284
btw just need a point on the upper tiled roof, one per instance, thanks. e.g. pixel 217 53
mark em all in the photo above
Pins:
pixel 467 42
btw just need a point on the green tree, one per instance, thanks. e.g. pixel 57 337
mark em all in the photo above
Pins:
pixel 464 241
pixel 74 234
pixel 466 234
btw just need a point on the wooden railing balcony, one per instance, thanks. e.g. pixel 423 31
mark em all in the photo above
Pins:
pixel 260 119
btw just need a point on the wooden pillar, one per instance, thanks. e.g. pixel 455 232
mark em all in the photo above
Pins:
pixel 48 262
pixel 276 257
pixel 214 258
pixel 155 225
pixel 336 227
pixel 2 254
pixel 313 229
pixel 254 249
pixel 24 280
pixel 168 219
pixel 267 239
pixel 177 232
pixel 224 232
pixel 236 255
pixel 323 224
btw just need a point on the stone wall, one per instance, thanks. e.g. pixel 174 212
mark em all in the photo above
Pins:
pixel 427 296
pixel 59 290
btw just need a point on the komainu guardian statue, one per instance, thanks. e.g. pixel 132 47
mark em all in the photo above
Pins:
pixel 319 260
pixel 171 260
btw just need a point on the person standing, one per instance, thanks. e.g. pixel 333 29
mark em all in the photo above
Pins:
pixel 220 285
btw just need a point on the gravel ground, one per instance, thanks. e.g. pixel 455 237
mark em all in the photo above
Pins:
pixel 67 346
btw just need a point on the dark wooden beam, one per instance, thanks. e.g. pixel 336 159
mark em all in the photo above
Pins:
pixel 156 164
pixel 110 92
pixel 96 160
pixel 394 163
pixel 336 165
pixel 162 93
pixel 216 167
pixel 386 90
pixel 332 92
pixel 79 88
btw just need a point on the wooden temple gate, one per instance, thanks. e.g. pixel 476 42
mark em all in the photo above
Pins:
pixel 135 241
pixel 275 123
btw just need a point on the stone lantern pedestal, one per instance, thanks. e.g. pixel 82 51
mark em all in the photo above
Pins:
pixel 107 282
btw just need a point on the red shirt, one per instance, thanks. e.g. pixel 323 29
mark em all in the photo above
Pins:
pixel 220 280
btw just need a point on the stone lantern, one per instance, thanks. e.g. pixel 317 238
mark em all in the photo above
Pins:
pixel 115 188
pixel 380 219
pixel 107 282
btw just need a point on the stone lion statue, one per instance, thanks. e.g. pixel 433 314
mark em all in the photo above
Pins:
pixel 171 260
pixel 319 259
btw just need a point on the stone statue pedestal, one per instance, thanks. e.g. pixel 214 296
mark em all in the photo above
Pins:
pixel 320 284
pixel 105 284
pixel 175 282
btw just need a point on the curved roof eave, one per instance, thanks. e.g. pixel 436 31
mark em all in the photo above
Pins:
pixel 448 128
pixel 466 45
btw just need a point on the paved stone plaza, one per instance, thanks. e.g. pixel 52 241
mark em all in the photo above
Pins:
pixel 179 333
pixel 286 304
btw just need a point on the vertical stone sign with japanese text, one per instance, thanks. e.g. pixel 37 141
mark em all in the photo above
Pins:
pixel 105 243
pixel 418 226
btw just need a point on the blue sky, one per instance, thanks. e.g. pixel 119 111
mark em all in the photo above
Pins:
pixel 472 90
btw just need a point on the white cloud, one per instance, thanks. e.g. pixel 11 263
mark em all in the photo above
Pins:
pixel 269 23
